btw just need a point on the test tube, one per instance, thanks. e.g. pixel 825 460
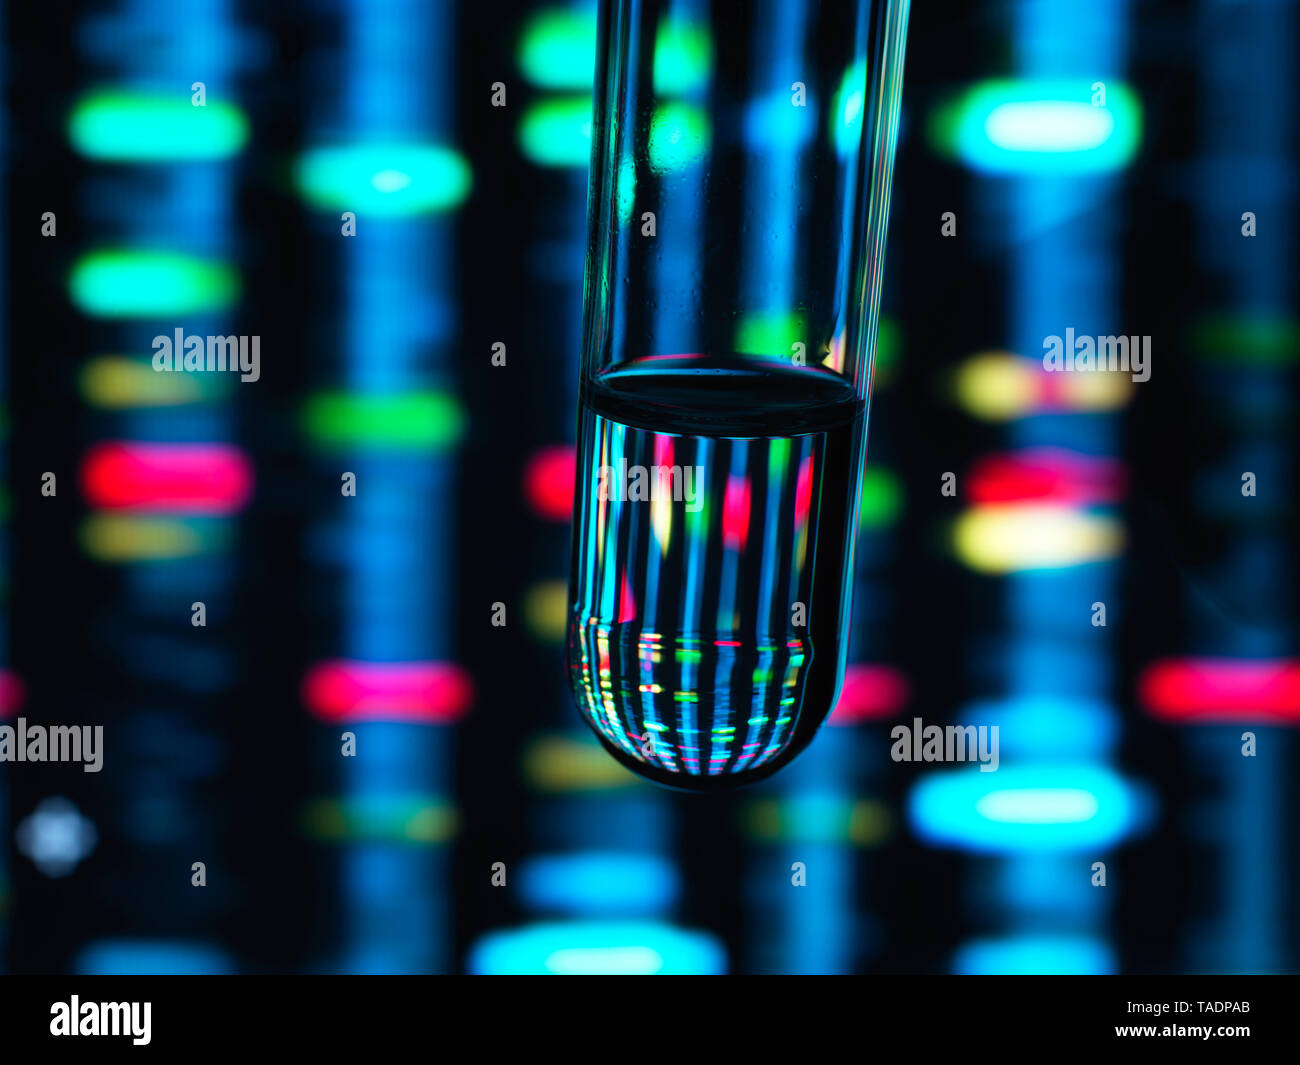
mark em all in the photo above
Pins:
pixel 737 207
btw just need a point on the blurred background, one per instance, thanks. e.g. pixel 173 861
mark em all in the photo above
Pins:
pixel 133 212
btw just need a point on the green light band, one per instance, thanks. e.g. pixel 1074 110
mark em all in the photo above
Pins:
pixel 384 180
pixel 125 283
pixel 116 125
pixel 417 421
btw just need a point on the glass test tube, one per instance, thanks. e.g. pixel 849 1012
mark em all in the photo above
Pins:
pixel 737 207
